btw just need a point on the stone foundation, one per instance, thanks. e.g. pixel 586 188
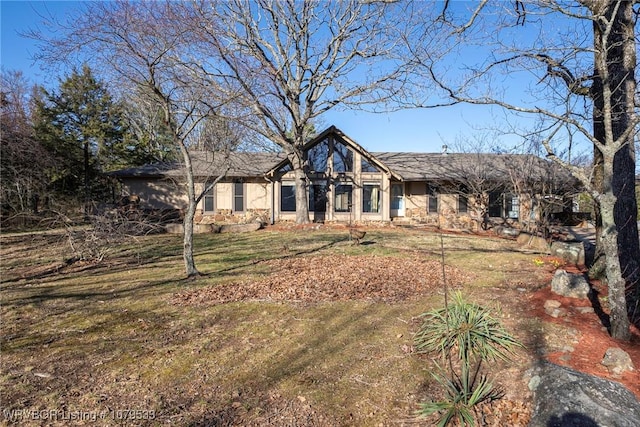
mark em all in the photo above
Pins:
pixel 226 216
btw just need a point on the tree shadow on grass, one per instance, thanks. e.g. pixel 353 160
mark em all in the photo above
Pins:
pixel 285 253
pixel 315 362
pixel 50 292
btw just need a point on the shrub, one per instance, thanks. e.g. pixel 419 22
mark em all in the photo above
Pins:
pixel 466 336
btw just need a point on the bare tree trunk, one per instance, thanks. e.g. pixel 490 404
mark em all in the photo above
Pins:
pixel 615 62
pixel 302 205
pixel 617 299
pixel 189 216
pixel 87 191
pixel 597 269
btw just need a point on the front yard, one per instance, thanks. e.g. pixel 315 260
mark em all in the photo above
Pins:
pixel 287 327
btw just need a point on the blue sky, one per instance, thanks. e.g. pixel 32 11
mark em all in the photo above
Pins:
pixel 410 130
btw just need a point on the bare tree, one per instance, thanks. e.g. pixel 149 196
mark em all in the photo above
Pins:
pixel 478 169
pixel 476 177
pixel 145 122
pixel 581 69
pixel 145 48
pixel 293 61
pixel 24 160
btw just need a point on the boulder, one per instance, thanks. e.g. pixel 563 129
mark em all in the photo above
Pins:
pixel 533 242
pixel 564 397
pixel 506 231
pixel 241 228
pixel 177 228
pixel 572 252
pixel 617 361
pixel 570 285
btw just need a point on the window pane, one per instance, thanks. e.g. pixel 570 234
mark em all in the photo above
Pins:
pixel 432 194
pixel 343 198
pixel 495 204
pixel 513 206
pixel 463 203
pixel 288 198
pixel 367 167
pixel 318 198
pixel 238 197
pixel 208 203
pixel 342 158
pixel 371 198
pixel 433 204
pixel 318 156
pixel 397 196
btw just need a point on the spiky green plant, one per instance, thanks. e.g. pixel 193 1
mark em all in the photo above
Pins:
pixel 466 335
pixel 459 402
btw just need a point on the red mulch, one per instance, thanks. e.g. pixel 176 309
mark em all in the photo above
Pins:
pixel 594 339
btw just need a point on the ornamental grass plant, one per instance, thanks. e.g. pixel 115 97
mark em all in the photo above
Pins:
pixel 466 336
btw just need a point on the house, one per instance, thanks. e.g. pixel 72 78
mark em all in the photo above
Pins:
pixel 346 183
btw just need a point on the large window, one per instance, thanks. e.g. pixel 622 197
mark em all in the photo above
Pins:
pixel 371 198
pixel 208 202
pixel 318 197
pixel 288 198
pixel 504 205
pixel 238 197
pixel 342 158
pixel 343 198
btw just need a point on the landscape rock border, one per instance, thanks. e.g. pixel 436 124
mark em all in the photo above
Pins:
pixel 565 397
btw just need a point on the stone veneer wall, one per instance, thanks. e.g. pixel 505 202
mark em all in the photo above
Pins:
pixel 228 217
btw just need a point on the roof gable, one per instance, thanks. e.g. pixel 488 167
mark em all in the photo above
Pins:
pixel 341 137
pixel 401 166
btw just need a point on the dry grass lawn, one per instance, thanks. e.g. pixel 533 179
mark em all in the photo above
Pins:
pixel 286 327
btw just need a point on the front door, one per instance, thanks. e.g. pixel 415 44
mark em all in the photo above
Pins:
pixel 397 200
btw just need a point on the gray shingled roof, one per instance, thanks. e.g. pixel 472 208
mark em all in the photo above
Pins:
pixel 406 166
pixel 241 164
pixel 463 166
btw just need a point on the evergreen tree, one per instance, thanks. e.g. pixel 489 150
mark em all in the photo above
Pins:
pixel 83 128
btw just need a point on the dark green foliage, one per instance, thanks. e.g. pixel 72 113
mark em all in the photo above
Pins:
pixel 465 335
pixel 80 125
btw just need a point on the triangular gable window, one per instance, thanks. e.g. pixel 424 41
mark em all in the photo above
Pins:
pixel 341 155
pixel 342 158
pixel 367 167
pixel 284 169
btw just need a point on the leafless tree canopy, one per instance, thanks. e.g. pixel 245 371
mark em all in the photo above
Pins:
pixel 572 67
pixel 295 60
pixel 288 62
pixel 145 47
pixel 23 159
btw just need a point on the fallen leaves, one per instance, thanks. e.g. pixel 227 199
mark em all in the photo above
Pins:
pixel 333 278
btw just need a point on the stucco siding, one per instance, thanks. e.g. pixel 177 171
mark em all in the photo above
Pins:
pixel 156 194
pixel 223 197
pixel 258 196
